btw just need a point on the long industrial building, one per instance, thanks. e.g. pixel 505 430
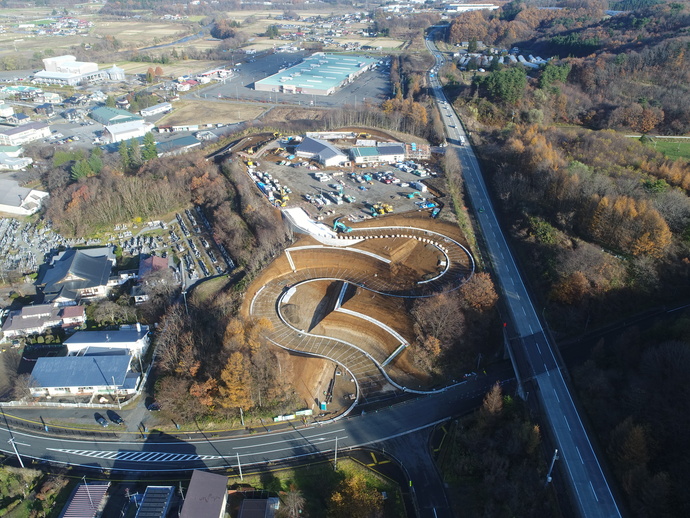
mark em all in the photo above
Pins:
pixel 319 74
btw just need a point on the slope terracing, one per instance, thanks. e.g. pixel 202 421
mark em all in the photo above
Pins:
pixel 339 302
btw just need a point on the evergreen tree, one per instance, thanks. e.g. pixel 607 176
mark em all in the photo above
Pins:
pixel 110 101
pixel 124 156
pixel 135 158
pixel 81 169
pixel 150 150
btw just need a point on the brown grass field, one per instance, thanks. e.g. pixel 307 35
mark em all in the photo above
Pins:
pixel 210 112
pixel 171 69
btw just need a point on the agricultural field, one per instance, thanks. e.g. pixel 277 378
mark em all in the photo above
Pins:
pixel 138 34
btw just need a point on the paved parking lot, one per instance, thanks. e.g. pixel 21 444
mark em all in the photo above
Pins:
pixel 373 85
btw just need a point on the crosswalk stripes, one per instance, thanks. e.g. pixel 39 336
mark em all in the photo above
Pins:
pixel 138 456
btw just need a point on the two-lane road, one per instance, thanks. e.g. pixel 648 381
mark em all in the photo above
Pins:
pixel 213 450
pixel 533 353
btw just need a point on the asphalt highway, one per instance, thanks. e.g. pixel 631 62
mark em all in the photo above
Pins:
pixel 180 452
pixel 532 352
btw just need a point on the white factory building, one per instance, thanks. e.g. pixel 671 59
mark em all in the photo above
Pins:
pixel 156 109
pixel 66 70
pixel 126 131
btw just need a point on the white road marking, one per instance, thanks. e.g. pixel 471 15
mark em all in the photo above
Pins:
pixel 304 437
pixel 556 394
pixel 290 448
pixel 593 492
pixel 579 454
pixel 138 456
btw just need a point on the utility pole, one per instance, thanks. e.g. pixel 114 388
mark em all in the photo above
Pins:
pixel 87 491
pixel 241 416
pixel 335 459
pixel 11 440
pixel 115 392
pixel 553 461
pixel 239 466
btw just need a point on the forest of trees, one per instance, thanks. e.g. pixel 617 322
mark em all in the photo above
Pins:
pixel 600 221
pixel 626 71
pixel 214 365
pixel 631 387
pixel 454 328
pixel 90 192
pixel 493 462
pixel 571 192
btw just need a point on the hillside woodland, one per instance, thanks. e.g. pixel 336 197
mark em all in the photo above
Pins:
pixel 602 219
pixel 605 218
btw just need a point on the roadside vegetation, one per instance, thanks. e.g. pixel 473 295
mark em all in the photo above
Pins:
pixel 317 490
pixel 31 493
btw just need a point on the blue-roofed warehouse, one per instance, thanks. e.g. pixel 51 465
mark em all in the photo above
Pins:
pixel 319 74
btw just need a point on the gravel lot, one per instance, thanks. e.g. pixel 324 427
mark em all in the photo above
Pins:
pixel 302 182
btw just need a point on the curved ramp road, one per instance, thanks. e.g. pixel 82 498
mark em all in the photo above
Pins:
pixel 533 353
pixel 366 368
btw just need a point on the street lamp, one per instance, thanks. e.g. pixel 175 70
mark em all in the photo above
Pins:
pixel 14 447
pixel 553 461
pixel 11 440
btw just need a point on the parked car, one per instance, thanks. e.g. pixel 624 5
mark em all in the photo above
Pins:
pixel 115 418
pixel 100 420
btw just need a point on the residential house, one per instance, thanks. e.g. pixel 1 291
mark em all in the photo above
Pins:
pixel 34 320
pixel 156 502
pixel 77 274
pixel 46 109
pixel 132 341
pixel 18 119
pixel 19 200
pixel 14 163
pixel 148 264
pixel 86 501
pixel 6 110
pixel 84 376
pixel 259 507
pixel 207 496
